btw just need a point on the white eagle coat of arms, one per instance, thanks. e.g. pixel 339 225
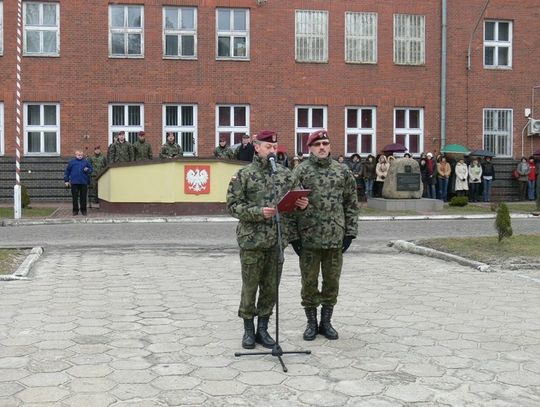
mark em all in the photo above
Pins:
pixel 197 179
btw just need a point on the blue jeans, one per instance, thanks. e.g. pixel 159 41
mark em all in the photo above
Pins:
pixel 443 188
pixel 431 191
pixel 369 188
pixel 531 185
pixel 486 194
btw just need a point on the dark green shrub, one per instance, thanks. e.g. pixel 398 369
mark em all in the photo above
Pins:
pixel 503 223
pixel 25 198
pixel 459 201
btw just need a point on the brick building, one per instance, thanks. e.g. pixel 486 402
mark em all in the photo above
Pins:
pixel 368 71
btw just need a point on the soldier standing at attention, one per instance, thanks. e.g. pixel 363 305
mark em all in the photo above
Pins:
pixel 222 150
pixel 122 150
pixel 98 162
pixel 171 149
pixel 250 198
pixel 326 229
pixel 142 149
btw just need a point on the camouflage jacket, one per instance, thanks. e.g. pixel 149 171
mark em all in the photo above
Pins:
pixel 332 212
pixel 223 152
pixel 98 163
pixel 171 150
pixel 122 152
pixel 143 151
pixel 250 190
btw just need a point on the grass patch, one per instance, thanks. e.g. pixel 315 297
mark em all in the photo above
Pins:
pixel 10 260
pixel 487 248
pixel 27 212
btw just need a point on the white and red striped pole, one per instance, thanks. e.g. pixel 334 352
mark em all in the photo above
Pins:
pixel 17 211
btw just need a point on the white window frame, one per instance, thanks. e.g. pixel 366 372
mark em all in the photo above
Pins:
pixel 1 28
pixel 42 128
pixel 41 29
pixel 409 39
pixel 310 129
pixel 497 44
pixel 232 129
pixel 361 38
pixel 232 34
pixel 180 32
pixel 498 134
pixel 407 131
pixel 125 127
pixel 1 128
pixel 181 128
pixel 311 26
pixel 360 131
pixel 125 30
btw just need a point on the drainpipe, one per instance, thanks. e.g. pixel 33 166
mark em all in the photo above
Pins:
pixel 443 72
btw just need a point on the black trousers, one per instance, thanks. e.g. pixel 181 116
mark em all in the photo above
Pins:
pixel 78 194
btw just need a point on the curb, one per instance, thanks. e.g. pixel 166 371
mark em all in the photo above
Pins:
pixel 24 268
pixel 403 245
pixel 224 219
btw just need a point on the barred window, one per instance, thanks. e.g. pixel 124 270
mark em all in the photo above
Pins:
pixel 360 130
pixel 41 129
pixel 311 32
pixel 498 44
pixel 41 29
pixel 181 120
pixel 232 122
pixel 409 129
pixel 126 31
pixel 409 39
pixel 1 129
pixel 180 32
pixel 128 118
pixel 232 33
pixel 308 119
pixel 361 37
pixel 498 131
pixel 1 28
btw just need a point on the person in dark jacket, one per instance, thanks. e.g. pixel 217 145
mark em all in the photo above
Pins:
pixel 488 175
pixel 369 174
pixel 77 176
pixel 355 164
pixel 245 151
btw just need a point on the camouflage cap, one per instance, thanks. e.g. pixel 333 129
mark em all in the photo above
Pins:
pixel 317 135
pixel 270 136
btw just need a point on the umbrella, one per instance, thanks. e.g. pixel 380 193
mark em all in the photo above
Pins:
pixel 537 151
pixel 455 149
pixel 394 148
pixel 483 153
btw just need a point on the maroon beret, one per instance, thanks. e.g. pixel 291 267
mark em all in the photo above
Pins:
pixel 270 136
pixel 97 147
pixel 222 138
pixel 142 133
pixel 317 135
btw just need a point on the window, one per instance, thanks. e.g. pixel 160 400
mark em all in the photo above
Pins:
pixel 128 118
pixel 409 129
pixel 232 122
pixel 41 29
pixel 361 38
pixel 232 33
pixel 41 128
pixel 126 31
pixel 498 131
pixel 1 28
pixel 308 119
pixel 180 32
pixel 409 39
pixel 311 32
pixel 360 130
pixel 498 44
pixel 181 120
pixel 1 129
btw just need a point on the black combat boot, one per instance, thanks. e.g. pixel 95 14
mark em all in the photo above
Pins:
pixel 311 328
pixel 263 337
pixel 325 327
pixel 248 340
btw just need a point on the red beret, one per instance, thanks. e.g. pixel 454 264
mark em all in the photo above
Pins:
pixel 270 136
pixel 97 148
pixel 222 138
pixel 317 135
pixel 142 133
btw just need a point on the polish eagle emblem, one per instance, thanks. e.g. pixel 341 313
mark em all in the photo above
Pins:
pixel 197 179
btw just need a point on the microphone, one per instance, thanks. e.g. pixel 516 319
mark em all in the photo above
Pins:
pixel 272 160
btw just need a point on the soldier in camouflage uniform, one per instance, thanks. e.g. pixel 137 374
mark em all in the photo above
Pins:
pixel 250 198
pixel 170 149
pixel 122 150
pixel 326 229
pixel 142 149
pixel 222 150
pixel 98 162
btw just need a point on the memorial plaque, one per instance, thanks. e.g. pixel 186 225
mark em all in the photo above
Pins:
pixel 408 182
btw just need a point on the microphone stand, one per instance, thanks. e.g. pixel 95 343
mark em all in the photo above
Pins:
pixel 276 350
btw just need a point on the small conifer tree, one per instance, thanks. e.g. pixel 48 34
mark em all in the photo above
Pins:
pixel 503 223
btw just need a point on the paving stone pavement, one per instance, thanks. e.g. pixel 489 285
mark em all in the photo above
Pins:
pixel 159 328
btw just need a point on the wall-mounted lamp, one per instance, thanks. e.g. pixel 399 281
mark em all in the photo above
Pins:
pixel 261 2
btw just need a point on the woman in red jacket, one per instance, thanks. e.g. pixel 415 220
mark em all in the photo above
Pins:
pixel 531 180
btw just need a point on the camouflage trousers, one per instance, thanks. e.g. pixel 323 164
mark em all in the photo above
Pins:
pixel 93 191
pixel 329 262
pixel 258 274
